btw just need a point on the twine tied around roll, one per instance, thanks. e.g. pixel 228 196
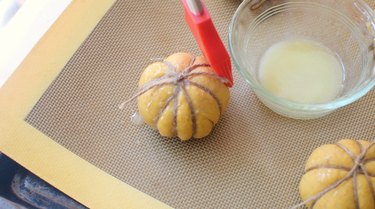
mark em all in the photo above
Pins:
pixel 181 96
pixel 358 168
pixel 173 77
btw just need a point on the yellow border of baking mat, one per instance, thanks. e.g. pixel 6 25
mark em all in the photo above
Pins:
pixel 32 149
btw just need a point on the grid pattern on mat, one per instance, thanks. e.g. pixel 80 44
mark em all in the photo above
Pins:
pixel 253 159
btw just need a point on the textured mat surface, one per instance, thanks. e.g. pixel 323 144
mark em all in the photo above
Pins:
pixel 253 159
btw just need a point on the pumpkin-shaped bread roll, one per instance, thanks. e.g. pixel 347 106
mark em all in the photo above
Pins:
pixel 340 176
pixel 182 96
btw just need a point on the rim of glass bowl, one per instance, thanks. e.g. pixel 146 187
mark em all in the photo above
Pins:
pixel 337 103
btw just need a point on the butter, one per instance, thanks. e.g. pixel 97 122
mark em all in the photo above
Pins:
pixel 301 71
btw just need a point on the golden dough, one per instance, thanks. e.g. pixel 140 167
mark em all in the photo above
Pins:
pixel 334 180
pixel 182 96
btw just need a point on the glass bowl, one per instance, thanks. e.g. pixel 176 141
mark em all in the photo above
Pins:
pixel 347 28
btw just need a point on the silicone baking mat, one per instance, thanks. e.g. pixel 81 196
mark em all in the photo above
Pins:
pixel 253 159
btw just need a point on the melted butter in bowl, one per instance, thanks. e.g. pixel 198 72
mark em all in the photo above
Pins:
pixel 305 59
pixel 301 71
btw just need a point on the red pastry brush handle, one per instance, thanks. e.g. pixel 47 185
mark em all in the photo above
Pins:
pixel 200 23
